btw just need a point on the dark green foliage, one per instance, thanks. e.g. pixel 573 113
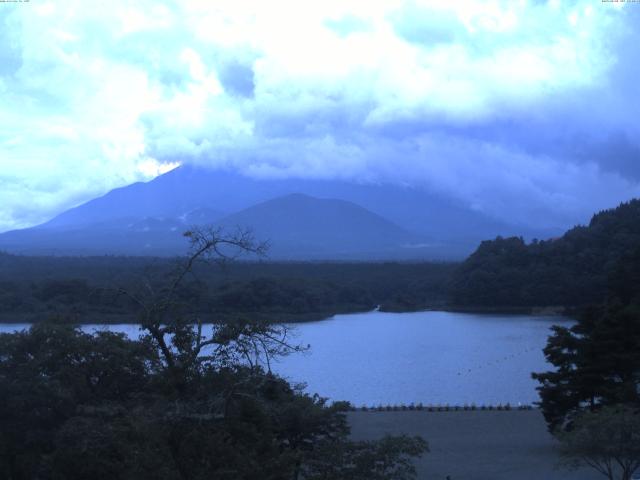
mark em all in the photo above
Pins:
pixel 607 440
pixel 79 406
pixel 387 459
pixel 598 359
pixel 597 363
pixel 35 288
pixel 567 271
pixel 47 375
pixel 65 291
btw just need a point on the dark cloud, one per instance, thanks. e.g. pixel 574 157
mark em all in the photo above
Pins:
pixel 238 79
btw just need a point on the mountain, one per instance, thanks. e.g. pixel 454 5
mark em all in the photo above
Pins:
pixel 299 226
pixel 174 200
pixel 572 270
pixel 296 226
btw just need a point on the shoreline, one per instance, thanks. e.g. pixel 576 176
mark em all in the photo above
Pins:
pixel 551 311
pixel 76 318
pixel 132 319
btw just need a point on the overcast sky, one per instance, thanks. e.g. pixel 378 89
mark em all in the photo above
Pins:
pixel 527 110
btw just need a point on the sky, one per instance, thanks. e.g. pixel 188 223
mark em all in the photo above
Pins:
pixel 526 110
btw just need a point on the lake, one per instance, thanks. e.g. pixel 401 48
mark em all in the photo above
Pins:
pixel 378 358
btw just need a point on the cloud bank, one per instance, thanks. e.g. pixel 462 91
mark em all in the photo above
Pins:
pixel 526 110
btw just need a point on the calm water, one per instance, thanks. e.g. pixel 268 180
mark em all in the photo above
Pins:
pixel 430 357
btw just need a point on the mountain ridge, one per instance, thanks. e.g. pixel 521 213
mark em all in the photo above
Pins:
pixel 305 226
pixel 457 230
pixel 299 227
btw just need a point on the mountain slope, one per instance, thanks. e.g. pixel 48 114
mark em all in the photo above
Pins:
pixel 297 226
pixel 571 270
pixel 300 226
pixel 123 235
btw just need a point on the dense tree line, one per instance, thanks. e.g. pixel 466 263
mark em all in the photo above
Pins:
pixel 568 271
pixel 35 288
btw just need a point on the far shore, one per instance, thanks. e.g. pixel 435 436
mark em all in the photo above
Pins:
pixel 92 318
pixel 552 311
pixel 132 319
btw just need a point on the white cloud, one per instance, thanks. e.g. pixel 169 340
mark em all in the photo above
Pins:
pixel 152 168
pixel 100 95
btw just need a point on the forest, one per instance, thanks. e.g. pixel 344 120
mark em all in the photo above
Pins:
pixel 89 289
pixel 570 271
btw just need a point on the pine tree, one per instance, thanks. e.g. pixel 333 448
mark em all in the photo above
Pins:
pixel 598 359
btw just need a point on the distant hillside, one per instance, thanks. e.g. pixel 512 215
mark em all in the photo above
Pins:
pixel 127 235
pixel 300 226
pixel 571 270
pixel 297 227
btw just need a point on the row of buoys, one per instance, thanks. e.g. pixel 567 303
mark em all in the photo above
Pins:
pixel 496 362
pixel 442 407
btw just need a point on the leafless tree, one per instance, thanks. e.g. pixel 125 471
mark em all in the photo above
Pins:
pixel 180 335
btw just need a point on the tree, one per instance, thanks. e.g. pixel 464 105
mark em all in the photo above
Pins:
pixel 567 271
pixel 607 440
pixel 53 374
pixel 597 363
pixel 597 360
pixel 184 401
pixel 387 459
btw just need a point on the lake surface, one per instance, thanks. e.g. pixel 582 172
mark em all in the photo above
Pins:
pixel 430 357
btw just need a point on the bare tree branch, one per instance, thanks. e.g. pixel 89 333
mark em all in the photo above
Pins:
pixel 180 336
